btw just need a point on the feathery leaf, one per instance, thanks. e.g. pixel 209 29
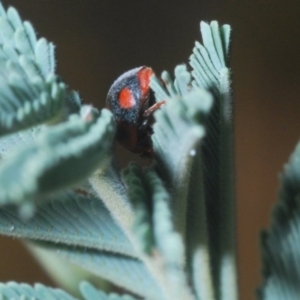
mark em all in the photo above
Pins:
pixel 178 130
pixel 60 157
pixel 123 271
pixel 209 63
pixel 70 219
pixel 22 291
pixel 182 150
pixel 12 290
pixel 280 244
pixel 30 92
pixel 142 206
pixel 154 228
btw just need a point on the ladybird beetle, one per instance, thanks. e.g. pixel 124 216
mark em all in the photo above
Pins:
pixel 132 103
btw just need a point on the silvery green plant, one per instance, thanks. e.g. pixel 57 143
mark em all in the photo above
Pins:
pixel 165 231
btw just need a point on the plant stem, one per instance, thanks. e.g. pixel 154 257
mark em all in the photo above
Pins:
pixel 228 266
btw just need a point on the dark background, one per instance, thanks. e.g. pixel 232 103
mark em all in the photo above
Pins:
pixel 98 40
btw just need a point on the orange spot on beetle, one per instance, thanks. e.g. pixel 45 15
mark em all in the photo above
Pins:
pixel 126 99
pixel 144 78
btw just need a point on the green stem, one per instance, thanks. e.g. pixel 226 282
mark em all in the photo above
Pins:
pixel 110 189
pixel 228 266
pixel 199 260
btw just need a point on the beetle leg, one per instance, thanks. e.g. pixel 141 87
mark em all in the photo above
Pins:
pixel 153 108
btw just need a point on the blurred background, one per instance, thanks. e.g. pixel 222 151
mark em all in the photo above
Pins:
pixel 98 40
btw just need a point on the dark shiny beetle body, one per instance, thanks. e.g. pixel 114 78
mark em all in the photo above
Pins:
pixel 132 103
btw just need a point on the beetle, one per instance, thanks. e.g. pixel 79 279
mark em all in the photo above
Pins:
pixel 132 102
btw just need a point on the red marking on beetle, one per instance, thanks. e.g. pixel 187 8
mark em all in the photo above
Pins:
pixel 144 78
pixel 126 99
